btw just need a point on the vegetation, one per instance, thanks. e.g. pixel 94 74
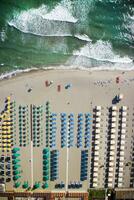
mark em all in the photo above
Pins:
pixel 94 193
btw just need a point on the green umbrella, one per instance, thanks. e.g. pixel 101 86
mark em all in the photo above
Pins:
pixel 45 156
pixel 17 184
pixel 16 161
pixel 16 155
pixel 46 178
pixel 25 185
pixel 45 185
pixel 46 172
pixel 46 166
pixel 16 177
pixel 45 150
pixel 16 172
pixel 16 166
pixel 45 162
pixel 36 185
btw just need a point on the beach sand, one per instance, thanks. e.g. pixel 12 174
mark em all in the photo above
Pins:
pixel 88 89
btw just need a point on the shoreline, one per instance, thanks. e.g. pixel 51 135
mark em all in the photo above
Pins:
pixel 21 72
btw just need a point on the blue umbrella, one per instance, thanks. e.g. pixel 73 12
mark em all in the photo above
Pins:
pixel 54 114
pixel 87 114
pixel 53 119
pixel 80 132
pixel 80 114
pixel 63 114
pixel 80 123
pixel 53 123
pixel 71 128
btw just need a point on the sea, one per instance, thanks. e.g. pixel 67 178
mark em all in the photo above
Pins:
pixel 81 34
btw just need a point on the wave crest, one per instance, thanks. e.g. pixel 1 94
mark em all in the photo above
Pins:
pixel 42 22
pixel 101 51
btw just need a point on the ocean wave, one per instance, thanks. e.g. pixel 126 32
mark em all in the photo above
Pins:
pixel 101 51
pixel 83 37
pixel 60 13
pixel 42 22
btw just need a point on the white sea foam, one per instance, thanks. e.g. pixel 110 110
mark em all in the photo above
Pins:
pixel 3 35
pixel 48 28
pixel 83 37
pixel 60 13
pixel 42 22
pixel 132 17
pixel 11 74
pixel 101 51
pixel 7 75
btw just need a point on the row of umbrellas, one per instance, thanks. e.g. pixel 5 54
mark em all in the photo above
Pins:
pixel 63 129
pixel 79 130
pixel 26 185
pixel 74 185
pixel 7 125
pixel 60 185
pixel 16 163
pixel 54 164
pixel 23 125
pixel 37 129
pixel 46 161
pixel 52 138
pixel 84 165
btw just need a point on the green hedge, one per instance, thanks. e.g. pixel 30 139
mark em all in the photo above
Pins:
pixel 93 193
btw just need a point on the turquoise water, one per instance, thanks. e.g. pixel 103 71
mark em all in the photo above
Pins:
pixel 79 33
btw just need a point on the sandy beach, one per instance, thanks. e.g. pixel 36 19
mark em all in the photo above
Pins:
pixel 73 91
